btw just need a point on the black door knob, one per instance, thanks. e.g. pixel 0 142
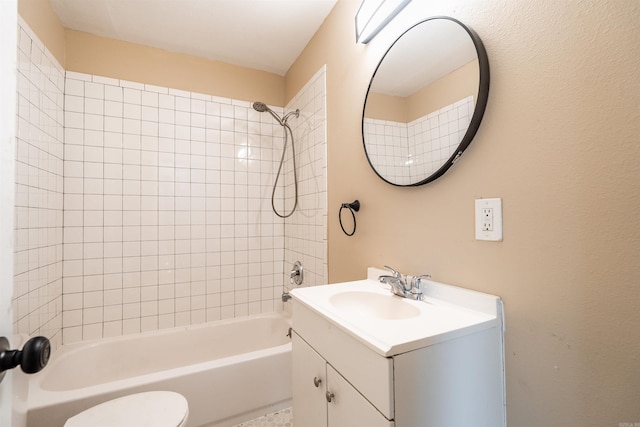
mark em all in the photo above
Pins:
pixel 32 358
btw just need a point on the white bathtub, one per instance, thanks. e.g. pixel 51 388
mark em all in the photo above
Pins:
pixel 229 371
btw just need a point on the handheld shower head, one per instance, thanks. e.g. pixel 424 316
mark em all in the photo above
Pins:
pixel 260 107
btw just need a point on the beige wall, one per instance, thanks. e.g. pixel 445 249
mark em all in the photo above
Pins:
pixel 453 87
pixel 45 23
pixel 387 107
pixel 559 145
pixel 87 53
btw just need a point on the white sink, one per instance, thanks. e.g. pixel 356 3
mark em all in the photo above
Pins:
pixel 374 305
pixel 389 324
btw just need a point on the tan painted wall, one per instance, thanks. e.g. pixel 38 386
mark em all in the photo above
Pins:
pixel 559 144
pixel 88 53
pixel 45 23
pixel 453 87
pixel 458 84
pixel 387 107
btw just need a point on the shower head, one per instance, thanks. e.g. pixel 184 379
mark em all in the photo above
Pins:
pixel 260 107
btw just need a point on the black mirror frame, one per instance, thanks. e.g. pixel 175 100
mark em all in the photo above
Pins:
pixel 478 112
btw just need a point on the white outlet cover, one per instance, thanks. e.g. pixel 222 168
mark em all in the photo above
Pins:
pixel 495 205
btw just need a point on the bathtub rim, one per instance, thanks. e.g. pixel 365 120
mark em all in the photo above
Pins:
pixel 39 397
pixel 75 346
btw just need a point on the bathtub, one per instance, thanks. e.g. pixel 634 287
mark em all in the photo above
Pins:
pixel 230 371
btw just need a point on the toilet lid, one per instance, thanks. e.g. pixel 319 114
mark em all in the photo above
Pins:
pixel 153 409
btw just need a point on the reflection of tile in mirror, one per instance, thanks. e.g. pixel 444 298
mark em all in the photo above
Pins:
pixel 406 152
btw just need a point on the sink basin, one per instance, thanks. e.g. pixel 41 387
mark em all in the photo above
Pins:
pixel 374 305
pixel 389 324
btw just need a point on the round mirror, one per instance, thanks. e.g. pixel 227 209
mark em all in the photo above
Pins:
pixel 425 101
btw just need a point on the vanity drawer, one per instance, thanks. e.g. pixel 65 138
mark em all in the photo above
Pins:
pixel 370 373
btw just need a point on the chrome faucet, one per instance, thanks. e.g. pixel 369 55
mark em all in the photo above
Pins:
pixel 403 285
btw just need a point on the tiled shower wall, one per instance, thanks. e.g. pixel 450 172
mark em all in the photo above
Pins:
pixel 37 303
pixel 167 210
pixel 426 142
pixel 305 230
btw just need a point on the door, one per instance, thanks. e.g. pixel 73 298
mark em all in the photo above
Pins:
pixel 347 407
pixel 8 82
pixel 309 385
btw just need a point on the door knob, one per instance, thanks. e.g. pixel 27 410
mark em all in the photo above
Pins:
pixel 32 358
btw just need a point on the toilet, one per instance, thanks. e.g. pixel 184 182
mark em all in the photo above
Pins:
pixel 153 408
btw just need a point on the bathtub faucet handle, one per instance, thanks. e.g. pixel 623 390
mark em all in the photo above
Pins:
pixel 297 273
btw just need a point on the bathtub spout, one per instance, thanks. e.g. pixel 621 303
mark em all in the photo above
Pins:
pixel 285 296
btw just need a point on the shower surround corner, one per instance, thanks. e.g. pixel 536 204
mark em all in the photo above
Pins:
pixel 142 207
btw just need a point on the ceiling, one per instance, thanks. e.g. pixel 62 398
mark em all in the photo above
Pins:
pixel 265 35
pixel 426 53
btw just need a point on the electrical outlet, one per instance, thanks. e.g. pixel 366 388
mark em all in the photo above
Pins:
pixel 489 219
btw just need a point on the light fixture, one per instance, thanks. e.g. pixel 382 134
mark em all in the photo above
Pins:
pixel 373 15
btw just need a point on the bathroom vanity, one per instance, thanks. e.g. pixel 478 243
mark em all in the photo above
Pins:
pixel 365 357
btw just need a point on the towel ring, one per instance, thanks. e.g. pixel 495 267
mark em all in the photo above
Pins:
pixel 353 208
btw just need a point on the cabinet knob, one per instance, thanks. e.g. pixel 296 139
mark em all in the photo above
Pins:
pixel 317 381
pixel 329 396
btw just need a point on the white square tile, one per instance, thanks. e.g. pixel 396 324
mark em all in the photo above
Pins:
pixel 113 124
pixel 113 250
pixel 74 103
pixel 93 186
pixel 166 101
pixel 131 126
pixel 131 142
pixel 74 87
pixel 132 96
pixel 149 113
pixel 113 93
pixel 94 106
pixel 182 103
pixel 74 120
pixel 113 109
pixel 149 99
pixel 149 128
pixel 93 90
pixel 110 202
pixel 93 170
pixel 93 122
pixel 166 116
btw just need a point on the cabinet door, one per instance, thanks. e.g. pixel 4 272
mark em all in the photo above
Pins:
pixel 347 407
pixel 309 385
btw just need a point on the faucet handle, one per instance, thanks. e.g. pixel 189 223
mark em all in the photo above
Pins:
pixel 416 292
pixel 417 280
pixel 393 272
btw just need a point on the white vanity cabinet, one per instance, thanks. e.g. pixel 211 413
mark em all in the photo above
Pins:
pixel 323 397
pixel 369 364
